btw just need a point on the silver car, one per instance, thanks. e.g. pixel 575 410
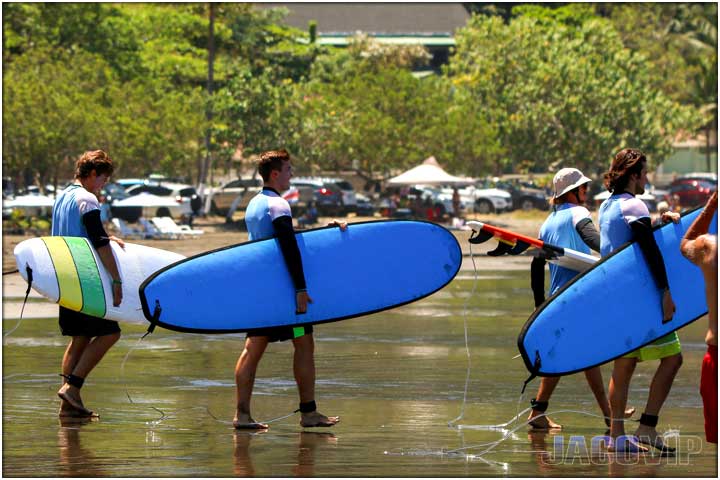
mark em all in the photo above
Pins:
pixel 223 197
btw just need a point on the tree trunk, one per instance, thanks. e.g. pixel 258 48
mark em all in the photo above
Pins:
pixel 207 165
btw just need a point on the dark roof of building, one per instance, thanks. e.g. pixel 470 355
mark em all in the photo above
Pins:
pixel 392 19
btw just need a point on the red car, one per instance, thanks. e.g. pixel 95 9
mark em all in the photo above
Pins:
pixel 692 192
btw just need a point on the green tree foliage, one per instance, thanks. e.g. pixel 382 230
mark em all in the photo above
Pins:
pixel 563 94
pixel 529 88
pixel 54 106
pixel 364 110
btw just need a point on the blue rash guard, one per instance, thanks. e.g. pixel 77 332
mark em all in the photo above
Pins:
pixel 617 213
pixel 76 213
pixel 268 215
pixel 561 228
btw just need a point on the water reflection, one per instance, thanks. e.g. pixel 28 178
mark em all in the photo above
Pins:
pixel 75 459
pixel 396 377
pixel 309 446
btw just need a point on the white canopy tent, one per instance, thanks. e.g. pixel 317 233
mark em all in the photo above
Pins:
pixel 30 205
pixel 429 173
pixel 29 201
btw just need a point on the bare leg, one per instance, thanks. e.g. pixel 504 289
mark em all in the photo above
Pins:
pixel 245 370
pixel 659 390
pixel 72 355
pixel 618 393
pixel 81 356
pixel 545 390
pixel 304 370
pixel 93 353
pixel 595 381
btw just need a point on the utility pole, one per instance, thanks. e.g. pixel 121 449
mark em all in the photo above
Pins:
pixel 207 164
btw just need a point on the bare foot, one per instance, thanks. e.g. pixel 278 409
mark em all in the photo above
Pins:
pixel 649 436
pixel 67 411
pixel 317 419
pixel 625 444
pixel 245 422
pixel 539 421
pixel 71 395
pixel 629 412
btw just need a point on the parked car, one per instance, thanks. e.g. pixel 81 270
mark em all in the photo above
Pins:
pixel 525 196
pixel 648 198
pixel 328 196
pixel 349 197
pixel 364 205
pixel 709 176
pixel 488 200
pixel 188 201
pixel 113 191
pixel 223 197
pixel 691 192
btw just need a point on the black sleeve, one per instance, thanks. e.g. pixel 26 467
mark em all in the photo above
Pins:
pixel 96 232
pixel 289 247
pixel 642 229
pixel 537 280
pixel 589 234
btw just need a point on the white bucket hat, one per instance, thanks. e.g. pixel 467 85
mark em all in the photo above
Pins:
pixel 568 179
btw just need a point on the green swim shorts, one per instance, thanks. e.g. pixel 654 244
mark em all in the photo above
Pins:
pixel 661 348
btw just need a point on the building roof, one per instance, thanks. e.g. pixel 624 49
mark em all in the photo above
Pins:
pixel 377 19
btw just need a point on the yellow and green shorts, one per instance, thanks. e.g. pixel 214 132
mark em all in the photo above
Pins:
pixel 661 348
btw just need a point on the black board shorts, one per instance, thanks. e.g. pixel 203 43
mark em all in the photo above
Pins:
pixel 78 324
pixel 281 334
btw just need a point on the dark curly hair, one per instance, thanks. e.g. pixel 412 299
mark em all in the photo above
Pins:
pixel 627 161
pixel 96 160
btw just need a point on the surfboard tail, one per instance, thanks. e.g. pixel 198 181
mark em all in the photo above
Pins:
pixel 513 243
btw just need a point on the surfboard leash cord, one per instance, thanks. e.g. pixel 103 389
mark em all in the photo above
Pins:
pixel 165 416
pixel 127 392
pixel 452 423
pixel 28 270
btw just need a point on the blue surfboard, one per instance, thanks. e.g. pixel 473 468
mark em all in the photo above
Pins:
pixel 613 308
pixel 372 266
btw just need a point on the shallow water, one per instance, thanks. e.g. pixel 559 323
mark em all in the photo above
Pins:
pixel 396 378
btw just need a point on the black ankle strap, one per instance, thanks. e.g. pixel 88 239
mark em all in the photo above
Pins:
pixel 307 407
pixel 73 380
pixel 648 420
pixel 539 406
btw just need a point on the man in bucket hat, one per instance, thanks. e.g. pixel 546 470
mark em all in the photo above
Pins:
pixel 568 225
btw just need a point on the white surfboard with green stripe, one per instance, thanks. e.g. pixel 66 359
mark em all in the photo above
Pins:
pixel 68 271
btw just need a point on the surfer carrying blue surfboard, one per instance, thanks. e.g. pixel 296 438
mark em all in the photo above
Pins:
pixel 569 225
pixel 700 248
pixel 268 214
pixel 76 213
pixel 624 218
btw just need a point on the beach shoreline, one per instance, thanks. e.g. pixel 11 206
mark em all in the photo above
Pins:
pixel 219 234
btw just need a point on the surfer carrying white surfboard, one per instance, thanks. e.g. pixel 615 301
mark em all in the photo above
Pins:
pixel 76 213
pixel 569 225
pixel 268 215
pixel 701 249
pixel 624 218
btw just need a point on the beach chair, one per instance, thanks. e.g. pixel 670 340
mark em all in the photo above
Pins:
pixel 168 226
pixel 125 230
pixel 153 231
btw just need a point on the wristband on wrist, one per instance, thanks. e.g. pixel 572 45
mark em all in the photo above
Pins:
pixel 116 282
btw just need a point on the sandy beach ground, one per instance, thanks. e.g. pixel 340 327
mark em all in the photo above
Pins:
pixel 220 234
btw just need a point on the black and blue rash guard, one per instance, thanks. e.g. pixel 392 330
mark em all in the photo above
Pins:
pixel 268 215
pixel 76 213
